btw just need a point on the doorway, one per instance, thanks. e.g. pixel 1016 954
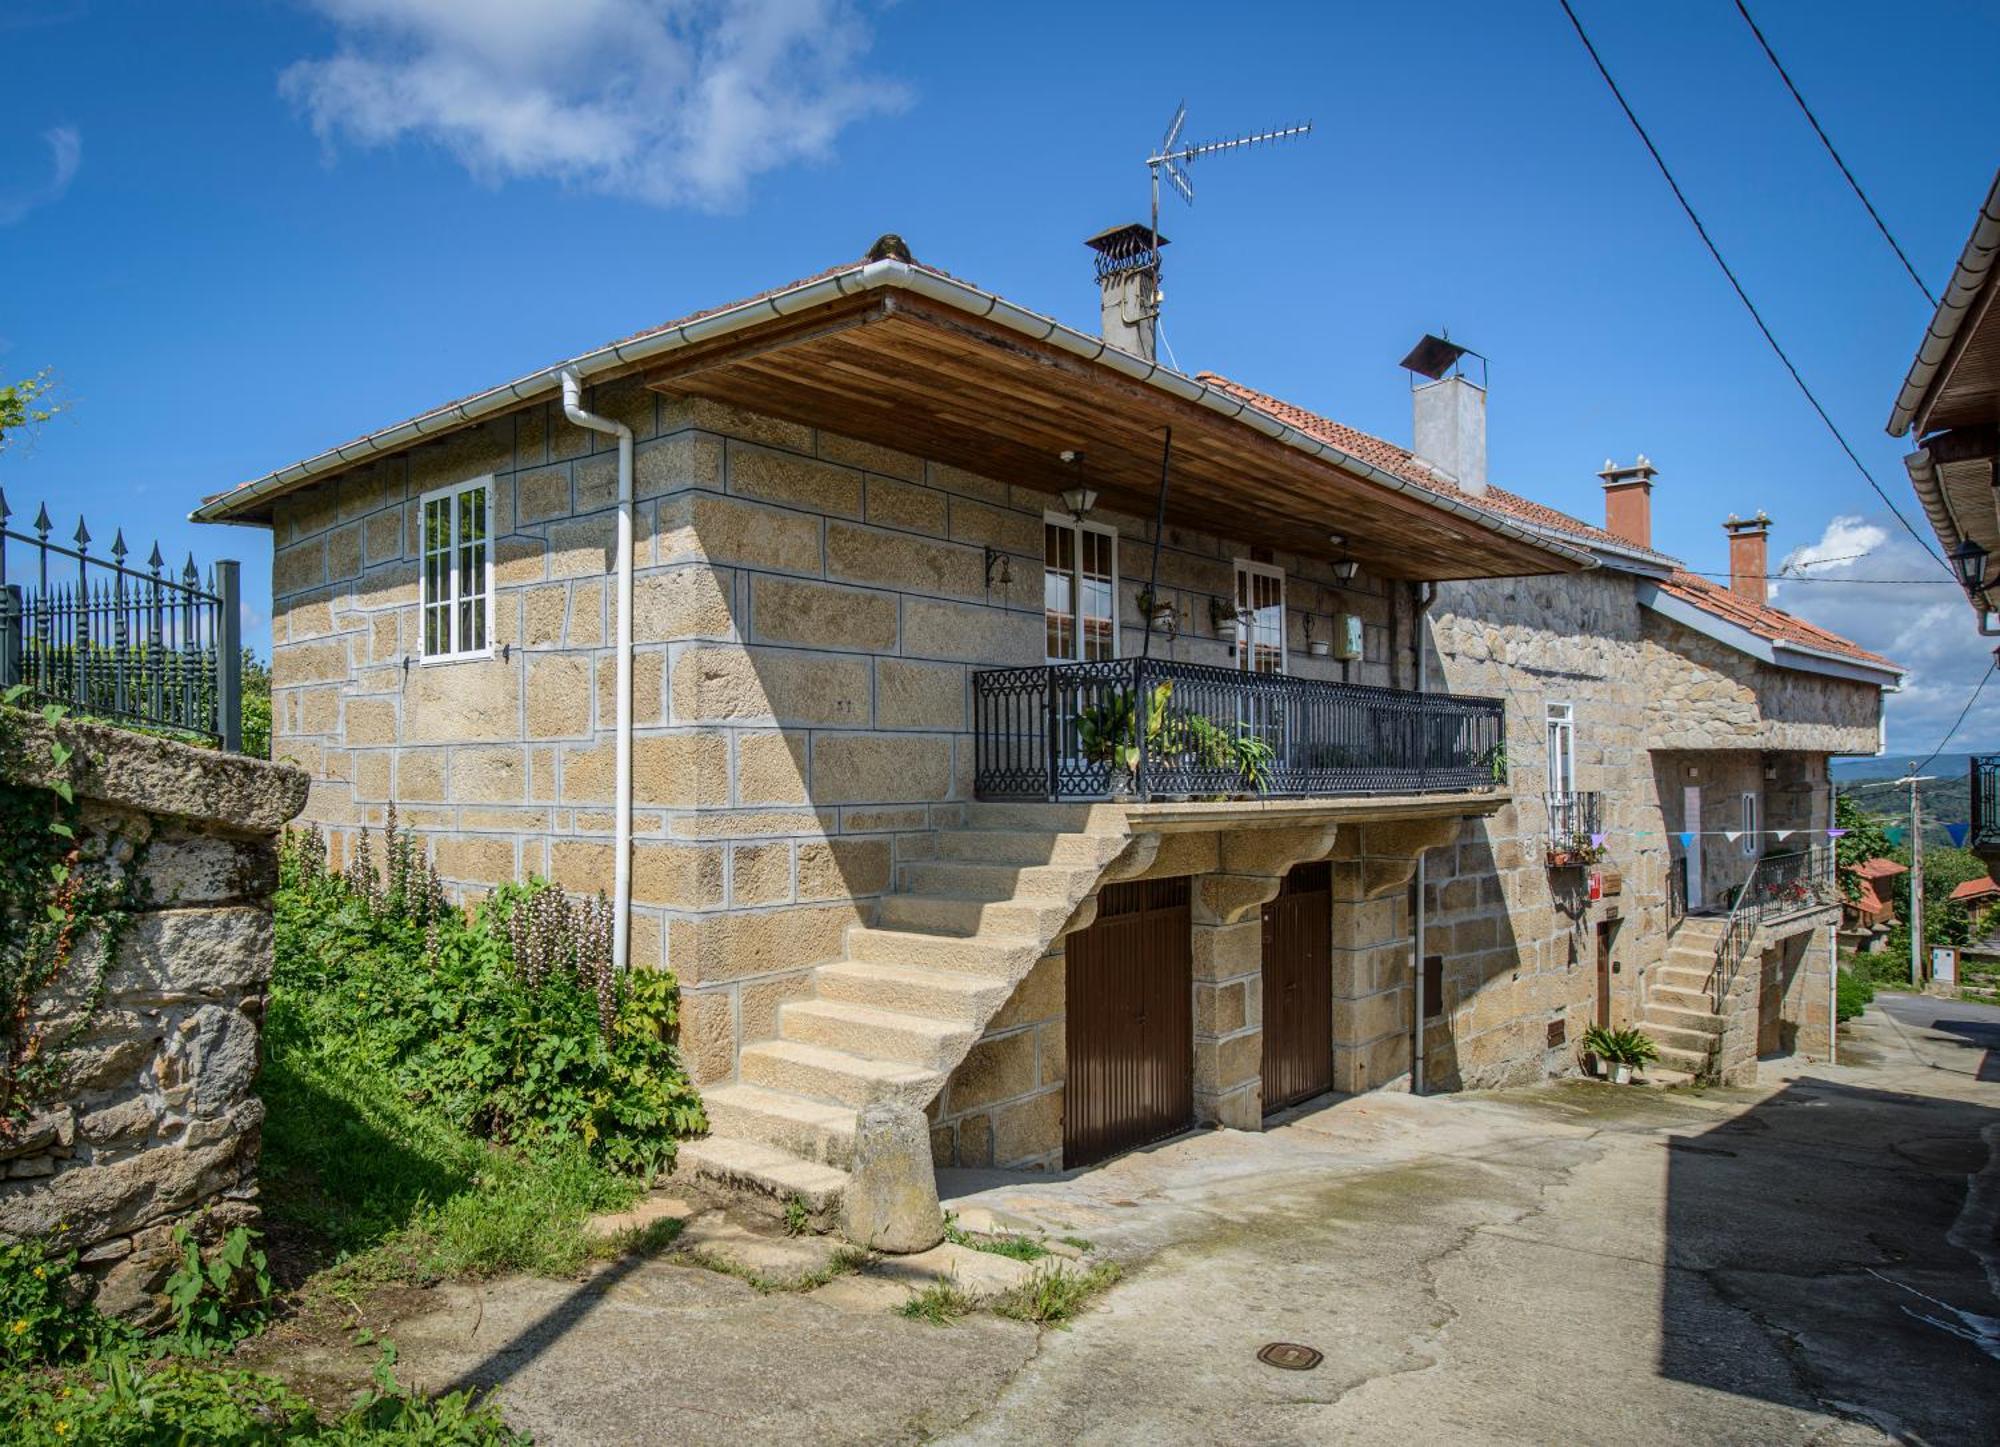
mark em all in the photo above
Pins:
pixel 1607 933
pixel 1298 988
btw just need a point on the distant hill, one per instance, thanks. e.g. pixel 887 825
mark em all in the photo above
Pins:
pixel 1947 799
pixel 1891 766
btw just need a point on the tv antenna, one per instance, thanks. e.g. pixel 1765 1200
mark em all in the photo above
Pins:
pixel 1173 159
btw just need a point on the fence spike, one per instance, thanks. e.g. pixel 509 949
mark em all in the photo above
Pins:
pixel 190 574
pixel 82 535
pixel 118 548
pixel 156 560
pixel 42 523
pixel 4 513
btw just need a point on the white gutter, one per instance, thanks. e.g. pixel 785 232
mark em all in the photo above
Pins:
pixel 621 839
pixel 1965 301
pixel 874 276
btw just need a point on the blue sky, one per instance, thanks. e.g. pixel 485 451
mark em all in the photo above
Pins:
pixel 243 231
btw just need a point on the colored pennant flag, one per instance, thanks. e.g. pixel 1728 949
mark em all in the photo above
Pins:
pixel 1686 838
pixel 1894 833
pixel 1597 840
pixel 1732 835
pixel 1835 833
pixel 1784 834
pixel 1956 833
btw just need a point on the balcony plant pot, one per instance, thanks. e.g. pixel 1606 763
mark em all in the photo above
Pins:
pixel 1118 783
pixel 1318 647
pixel 1621 1072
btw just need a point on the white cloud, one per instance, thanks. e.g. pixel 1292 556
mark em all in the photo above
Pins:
pixel 664 101
pixel 65 145
pixel 1892 607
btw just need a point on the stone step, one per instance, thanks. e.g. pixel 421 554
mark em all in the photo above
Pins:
pixel 1660 1077
pixel 761 1177
pixel 1108 819
pixel 1675 1037
pixel 1674 997
pixel 942 994
pixel 996 955
pixel 1694 979
pixel 920 1040
pixel 1675 1058
pixel 948 915
pixel 1699 1019
pixel 835 1076
pixel 1021 846
pixel 964 880
pixel 808 1129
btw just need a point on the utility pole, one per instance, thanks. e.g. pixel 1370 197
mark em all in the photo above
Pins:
pixel 1916 876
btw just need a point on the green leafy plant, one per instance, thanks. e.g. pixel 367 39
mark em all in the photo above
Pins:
pixel 1853 993
pixel 218 1298
pixel 1055 1293
pixel 798 1220
pixel 45 1312
pixel 1620 1047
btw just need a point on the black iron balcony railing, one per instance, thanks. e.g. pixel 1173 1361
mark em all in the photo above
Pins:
pixel 1985 782
pixel 1574 824
pixel 1155 728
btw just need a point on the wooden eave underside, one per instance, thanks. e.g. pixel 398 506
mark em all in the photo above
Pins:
pixel 1967 393
pixel 905 373
pixel 1968 493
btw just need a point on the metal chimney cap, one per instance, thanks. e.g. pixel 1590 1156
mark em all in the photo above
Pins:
pixel 1120 242
pixel 1433 357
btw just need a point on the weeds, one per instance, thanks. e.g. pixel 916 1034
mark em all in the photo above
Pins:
pixel 1016 1248
pixel 1079 1242
pixel 798 1220
pixel 941 1303
pixel 1052 1296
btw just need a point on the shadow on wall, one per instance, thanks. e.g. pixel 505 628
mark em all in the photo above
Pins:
pixel 1818 1224
pixel 1483 1025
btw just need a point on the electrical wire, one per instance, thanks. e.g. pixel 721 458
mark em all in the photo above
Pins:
pixel 1820 131
pixel 1802 578
pixel 1983 679
pixel 1742 295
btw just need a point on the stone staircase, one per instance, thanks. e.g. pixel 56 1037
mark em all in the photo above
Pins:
pixel 1680 1003
pixel 890 1021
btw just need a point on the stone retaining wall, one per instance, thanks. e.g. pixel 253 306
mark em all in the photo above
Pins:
pixel 158 1120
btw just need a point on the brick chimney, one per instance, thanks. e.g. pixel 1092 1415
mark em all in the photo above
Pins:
pixel 1749 556
pixel 1628 501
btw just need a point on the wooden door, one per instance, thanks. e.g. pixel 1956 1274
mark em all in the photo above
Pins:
pixel 1605 930
pixel 1298 988
pixel 1130 1032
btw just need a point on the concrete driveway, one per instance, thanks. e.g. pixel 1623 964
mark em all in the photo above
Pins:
pixel 1810 1261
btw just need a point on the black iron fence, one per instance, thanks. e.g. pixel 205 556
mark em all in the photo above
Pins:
pixel 139 646
pixel 1574 818
pixel 1985 783
pixel 1155 728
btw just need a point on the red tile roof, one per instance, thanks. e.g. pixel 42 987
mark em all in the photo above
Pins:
pixel 1976 889
pixel 1761 619
pixel 1878 868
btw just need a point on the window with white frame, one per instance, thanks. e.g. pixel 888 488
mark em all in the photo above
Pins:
pixel 1260 617
pixel 1751 830
pixel 457 569
pixel 1079 590
pixel 1561 725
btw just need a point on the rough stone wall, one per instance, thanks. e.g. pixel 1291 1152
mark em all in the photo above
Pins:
pixel 807 611
pixel 158 1121
pixel 1519 941
pixel 1003 1105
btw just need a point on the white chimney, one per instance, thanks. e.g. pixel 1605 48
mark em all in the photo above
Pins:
pixel 1128 279
pixel 1451 430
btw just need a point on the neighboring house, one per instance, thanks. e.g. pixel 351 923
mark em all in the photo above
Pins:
pixel 1643 702
pixel 1978 896
pixel 891 679
pixel 1872 908
pixel 1950 402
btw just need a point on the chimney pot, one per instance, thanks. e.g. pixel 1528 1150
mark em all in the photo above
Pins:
pixel 1749 556
pixel 1628 501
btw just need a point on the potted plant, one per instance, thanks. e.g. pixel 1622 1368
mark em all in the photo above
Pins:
pixel 1573 851
pixel 1107 732
pixel 1317 647
pixel 1619 1052
pixel 1156 609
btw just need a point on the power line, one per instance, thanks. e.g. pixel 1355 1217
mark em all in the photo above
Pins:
pixel 1742 295
pixel 1804 578
pixel 1820 131
pixel 1983 678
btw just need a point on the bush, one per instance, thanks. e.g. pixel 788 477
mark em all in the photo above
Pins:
pixel 218 1299
pixel 509 1025
pixel 1852 993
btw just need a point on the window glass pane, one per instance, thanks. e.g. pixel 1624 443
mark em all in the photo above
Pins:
pixel 437 576
pixel 1059 589
pixel 472 570
pixel 1097 589
pixel 1261 639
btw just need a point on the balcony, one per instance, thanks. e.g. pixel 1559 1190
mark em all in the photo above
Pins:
pixel 1155 729
pixel 1985 788
pixel 1575 819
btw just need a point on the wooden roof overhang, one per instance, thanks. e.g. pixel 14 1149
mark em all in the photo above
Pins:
pixel 907 372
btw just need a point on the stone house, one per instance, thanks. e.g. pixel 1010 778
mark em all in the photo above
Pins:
pixel 1017 730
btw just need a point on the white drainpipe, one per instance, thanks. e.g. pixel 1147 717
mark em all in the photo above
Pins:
pixel 621 846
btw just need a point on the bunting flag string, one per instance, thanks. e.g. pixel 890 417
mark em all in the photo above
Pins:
pixel 1732 835
pixel 1894 833
pixel 1957 834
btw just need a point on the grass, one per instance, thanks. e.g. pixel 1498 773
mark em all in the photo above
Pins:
pixel 1053 1296
pixel 941 1303
pixel 844 1260
pixel 1081 1243
pixel 1017 1248
pixel 352 1170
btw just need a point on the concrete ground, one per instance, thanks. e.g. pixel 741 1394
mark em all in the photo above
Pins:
pixel 1813 1261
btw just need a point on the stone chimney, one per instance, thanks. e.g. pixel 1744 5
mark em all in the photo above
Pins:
pixel 1450 431
pixel 1749 556
pixel 1128 278
pixel 1628 501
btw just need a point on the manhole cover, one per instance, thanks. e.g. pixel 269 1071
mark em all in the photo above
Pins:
pixel 1290 1356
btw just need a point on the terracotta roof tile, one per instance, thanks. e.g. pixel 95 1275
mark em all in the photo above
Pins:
pixel 1764 620
pixel 1877 868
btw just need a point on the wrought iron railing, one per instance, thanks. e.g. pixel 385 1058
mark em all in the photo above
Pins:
pixel 1677 889
pixel 1575 823
pixel 1779 885
pixel 1985 785
pixel 134 647
pixel 1155 728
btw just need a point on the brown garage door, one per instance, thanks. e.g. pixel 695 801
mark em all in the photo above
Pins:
pixel 1130 1030
pixel 1298 988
